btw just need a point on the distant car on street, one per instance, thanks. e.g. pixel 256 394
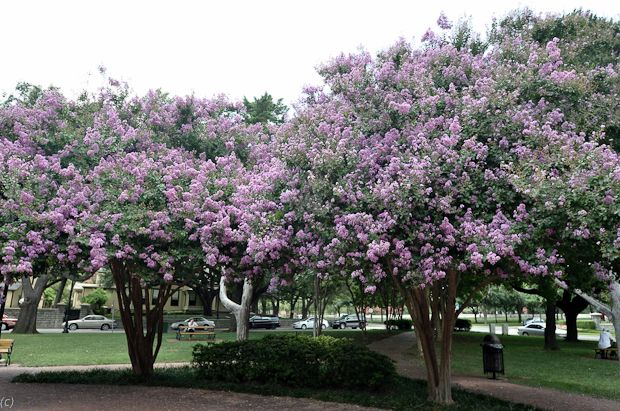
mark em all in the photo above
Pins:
pixel 348 321
pixel 462 324
pixel 92 322
pixel 264 321
pixel 200 321
pixel 8 322
pixel 536 329
pixel 534 321
pixel 532 329
pixel 309 323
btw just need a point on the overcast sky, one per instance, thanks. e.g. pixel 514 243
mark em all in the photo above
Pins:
pixel 240 48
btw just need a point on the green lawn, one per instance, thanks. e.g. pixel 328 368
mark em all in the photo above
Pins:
pixel 572 368
pixel 111 348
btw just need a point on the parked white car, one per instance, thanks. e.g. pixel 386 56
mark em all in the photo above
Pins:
pixel 91 321
pixel 534 321
pixel 200 321
pixel 309 323
pixel 536 329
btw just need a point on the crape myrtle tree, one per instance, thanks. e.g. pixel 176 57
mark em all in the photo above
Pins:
pixel 247 238
pixel 586 51
pixel 573 181
pixel 170 184
pixel 35 223
pixel 134 229
pixel 127 167
pixel 403 164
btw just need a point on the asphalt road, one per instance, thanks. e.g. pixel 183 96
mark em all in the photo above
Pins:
pixel 512 330
pixel 479 328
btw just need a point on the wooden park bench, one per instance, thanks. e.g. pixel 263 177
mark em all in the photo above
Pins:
pixel 605 353
pixel 6 350
pixel 200 333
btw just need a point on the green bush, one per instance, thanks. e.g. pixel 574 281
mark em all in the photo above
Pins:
pixel 401 324
pixel 586 324
pixel 97 300
pixel 295 361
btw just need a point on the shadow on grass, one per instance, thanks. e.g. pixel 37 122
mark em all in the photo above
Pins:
pixel 403 394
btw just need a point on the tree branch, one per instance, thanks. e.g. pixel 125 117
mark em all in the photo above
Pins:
pixel 229 304
pixel 604 308
pixel 471 296
pixel 531 291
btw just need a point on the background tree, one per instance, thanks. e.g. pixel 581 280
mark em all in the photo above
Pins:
pixel 97 300
pixel 408 171
pixel 264 110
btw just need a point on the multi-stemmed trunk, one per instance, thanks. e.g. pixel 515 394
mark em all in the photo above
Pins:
pixel 31 294
pixel 142 317
pixel 241 311
pixel 320 303
pixel 436 347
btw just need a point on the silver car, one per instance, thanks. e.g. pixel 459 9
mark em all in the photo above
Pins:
pixel 200 321
pixel 309 323
pixel 536 329
pixel 91 321
pixel 532 329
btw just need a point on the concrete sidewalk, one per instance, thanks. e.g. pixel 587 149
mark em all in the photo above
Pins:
pixel 400 347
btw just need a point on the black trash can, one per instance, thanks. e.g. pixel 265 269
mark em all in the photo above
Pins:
pixel 492 355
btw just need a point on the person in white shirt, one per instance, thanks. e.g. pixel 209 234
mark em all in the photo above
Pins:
pixel 191 325
pixel 605 339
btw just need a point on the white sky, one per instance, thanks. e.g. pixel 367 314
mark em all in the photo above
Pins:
pixel 240 48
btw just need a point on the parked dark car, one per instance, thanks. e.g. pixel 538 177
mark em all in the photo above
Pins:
pixel 348 321
pixel 462 324
pixel 264 321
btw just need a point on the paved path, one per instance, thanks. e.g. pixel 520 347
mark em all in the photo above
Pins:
pixel 67 397
pixel 401 347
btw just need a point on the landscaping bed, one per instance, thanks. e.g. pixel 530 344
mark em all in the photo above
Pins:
pixel 402 394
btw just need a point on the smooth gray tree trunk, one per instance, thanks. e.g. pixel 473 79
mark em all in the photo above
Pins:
pixel 27 319
pixel 612 312
pixel 240 311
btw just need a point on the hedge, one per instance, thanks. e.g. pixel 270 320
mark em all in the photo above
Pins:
pixel 295 361
pixel 586 324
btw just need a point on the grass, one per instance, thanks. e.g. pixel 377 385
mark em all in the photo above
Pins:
pixel 573 368
pixel 37 350
pixel 403 394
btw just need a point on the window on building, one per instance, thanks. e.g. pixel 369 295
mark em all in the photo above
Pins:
pixel 191 298
pixel 174 300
